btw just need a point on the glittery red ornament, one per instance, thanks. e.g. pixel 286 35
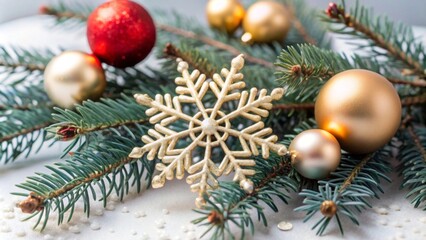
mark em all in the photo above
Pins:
pixel 121 33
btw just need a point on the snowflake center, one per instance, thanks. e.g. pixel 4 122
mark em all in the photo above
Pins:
pixel 209 126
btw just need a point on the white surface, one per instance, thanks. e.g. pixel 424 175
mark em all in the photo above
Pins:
pixel 175 196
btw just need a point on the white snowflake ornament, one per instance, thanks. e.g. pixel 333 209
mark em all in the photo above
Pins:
pixel 209 128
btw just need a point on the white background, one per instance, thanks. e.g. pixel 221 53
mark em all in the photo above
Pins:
pixel 175 196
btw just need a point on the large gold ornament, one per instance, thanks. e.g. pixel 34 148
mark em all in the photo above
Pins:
pixel 72 77
pixel 225 15
pixel 315 153
pixel 209 128
pixel 360 108
pixel 266 21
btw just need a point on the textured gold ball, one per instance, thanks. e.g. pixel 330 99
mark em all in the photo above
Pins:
pixel 315 153
pixel 360 108
pixel 266 21
pixel 225 15
pixel 328 208
pixel 73 77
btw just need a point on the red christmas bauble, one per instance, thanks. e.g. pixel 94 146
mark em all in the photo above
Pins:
pixel 121 33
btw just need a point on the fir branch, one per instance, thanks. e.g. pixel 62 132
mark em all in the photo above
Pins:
pixel 305 68
pixel 97 116
pixel 293 106
pixel 212 42
pixel 201 64
pixel 229 204
pixel 23 98
pixel 381 33
pixel 349 188
pixel 103 164
pixel 20 130
pixel 412 157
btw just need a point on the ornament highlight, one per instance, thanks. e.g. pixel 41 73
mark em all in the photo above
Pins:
pixel 360 108
pixel 73 77
pixel 266 21
pixel 121 33
pixel 315 153
pixel 225 15
pixel 208 129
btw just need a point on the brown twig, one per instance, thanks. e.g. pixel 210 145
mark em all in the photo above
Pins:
pixel 415 100
pixel 339 14
pixel 69 132
pixel 25 107
pixel 68 187
pixel 172 51
pixel 214 43
pixel 355 172
pixel 415 83
pixel 29 67
pixel 293 106
pixel 65 14
pixel 25 131
pixel 301 29
pixel 417 142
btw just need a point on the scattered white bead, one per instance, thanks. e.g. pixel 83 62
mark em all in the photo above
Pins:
pixel 177 238
pixel 5 229
pixel 47 237
pixel 8 208
pixel 397 224
pixel 191 228
pixel 9 215
pixel 191 236
pixel 1 198
pixel 407 220
pixel 74 229
pixel 139 214
pixel 112 230
pixel 134 232
pixel 110 206
pixel 381 211
pixel 60 238
pixel 416 230
pixel 114 198
pixel 124 210
pixel 95 226
pixel 64 226
pixel 423 219
pixel 160 223
pixel 84 219
pixel 166 211
pixel 99 212
pixel 184 228
pixel 164 236
pixel 145 236
pixel 20 233
pixel 285 226
pixel 400 235
pixel 383 222
pixel 395 207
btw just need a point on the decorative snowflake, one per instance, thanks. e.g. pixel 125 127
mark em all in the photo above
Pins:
pixel 209 128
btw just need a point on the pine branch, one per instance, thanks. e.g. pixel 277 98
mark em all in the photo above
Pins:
pixel 104 164
pixel 229 204
pixel 412 157
pixel 397 40
pixel 20 130
pixel 23 98
pixel 97 116
pixel 347 191
pixel 18 65
pixel 306 68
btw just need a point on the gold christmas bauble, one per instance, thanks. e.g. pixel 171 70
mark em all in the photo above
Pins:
pixel 315 153
pixel 360 108
pixel 266 21
pixel 73 77
pixel 225 15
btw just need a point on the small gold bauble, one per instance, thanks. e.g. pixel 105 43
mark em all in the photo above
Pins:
pixel 360 108
pixel 266 21
pixel 73 77
pixel 315 153
pixel 225 15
